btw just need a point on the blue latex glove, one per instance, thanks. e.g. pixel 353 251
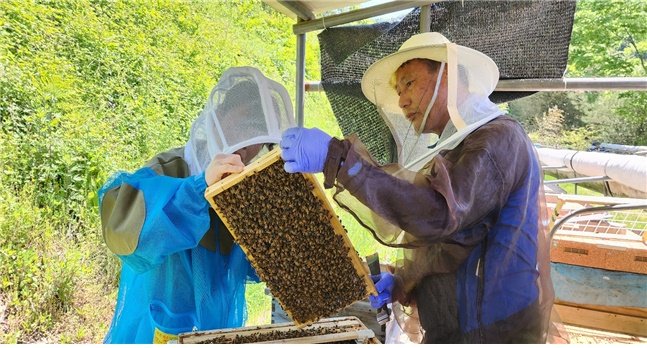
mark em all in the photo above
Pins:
pixel 304 150
pixel 384 283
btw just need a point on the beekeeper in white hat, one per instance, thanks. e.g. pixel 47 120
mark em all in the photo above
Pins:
pixel 469 214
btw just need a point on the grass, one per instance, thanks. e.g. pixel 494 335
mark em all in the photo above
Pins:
pixel 573 188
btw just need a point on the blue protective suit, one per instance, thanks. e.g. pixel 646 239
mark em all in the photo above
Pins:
pixel 176 275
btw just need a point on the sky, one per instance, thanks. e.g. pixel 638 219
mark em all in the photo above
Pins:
pixel 387 17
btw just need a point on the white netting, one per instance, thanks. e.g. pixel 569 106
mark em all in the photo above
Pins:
pixel 471 75
pixel 245 108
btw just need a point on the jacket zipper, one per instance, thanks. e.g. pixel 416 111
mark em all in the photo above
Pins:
pixel 480 289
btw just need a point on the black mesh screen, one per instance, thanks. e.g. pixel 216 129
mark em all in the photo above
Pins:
pixel 526 39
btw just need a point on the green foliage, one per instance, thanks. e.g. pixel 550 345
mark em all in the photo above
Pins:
pixel 88 88
pixel 36 280
pixel 551 131
pixel 634 115
pixel 530 110
pixel 551 125
pixel 81 98
pixel 609 38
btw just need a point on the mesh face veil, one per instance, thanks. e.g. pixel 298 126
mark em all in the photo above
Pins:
pixel 471 78
pixel 245 108
pixel 407 155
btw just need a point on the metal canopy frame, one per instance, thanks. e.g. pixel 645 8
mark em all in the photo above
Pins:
pixel 551 85
pixel 305 12
pixel 307 22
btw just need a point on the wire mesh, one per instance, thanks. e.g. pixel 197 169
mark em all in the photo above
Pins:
pixel 629 220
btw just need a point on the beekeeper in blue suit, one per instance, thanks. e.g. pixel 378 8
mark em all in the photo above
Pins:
pixel 181 269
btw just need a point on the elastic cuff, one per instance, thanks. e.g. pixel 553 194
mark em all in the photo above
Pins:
pixel 337 151
pixel 200 183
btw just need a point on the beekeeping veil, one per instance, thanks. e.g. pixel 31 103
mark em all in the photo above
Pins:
pixel 430 267
pixel 471 78
pixel 245 108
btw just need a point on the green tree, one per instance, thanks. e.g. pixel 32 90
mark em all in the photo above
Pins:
pixel 88 88
pixel 530 110
pixel 610 39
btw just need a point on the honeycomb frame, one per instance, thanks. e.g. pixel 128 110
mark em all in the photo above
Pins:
pixel 229 217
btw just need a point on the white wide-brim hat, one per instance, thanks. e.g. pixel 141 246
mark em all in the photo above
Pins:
pixel 481 71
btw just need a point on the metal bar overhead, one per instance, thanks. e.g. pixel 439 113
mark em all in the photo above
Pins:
pixel 306 12
pixel 309 25
pixel 553 85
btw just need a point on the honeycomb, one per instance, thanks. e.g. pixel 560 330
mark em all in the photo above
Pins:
pixel 276 335
pixel 292 237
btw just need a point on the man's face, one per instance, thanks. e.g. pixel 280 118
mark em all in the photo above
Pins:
pixel 415 85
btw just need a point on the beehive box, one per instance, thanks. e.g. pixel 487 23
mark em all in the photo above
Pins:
pixel 293 238
pixel 330 330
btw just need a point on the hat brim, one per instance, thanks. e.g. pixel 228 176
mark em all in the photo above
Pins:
pixel 376 82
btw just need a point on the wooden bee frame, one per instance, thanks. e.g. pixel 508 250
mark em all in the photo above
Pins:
pixel 347 329
pixel 264 208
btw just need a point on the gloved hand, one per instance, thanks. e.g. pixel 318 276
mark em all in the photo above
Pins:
pixel 384 283
pixel 304 150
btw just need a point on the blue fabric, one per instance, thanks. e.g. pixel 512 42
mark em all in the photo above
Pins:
pixel 304 150
pixel 510 273
pixel 170 283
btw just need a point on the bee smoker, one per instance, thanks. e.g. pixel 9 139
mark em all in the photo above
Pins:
pixel 373 262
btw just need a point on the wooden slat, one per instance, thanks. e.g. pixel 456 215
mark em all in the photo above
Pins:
pixel 599 200
pixel 361 335
pixel 600 237
pixel 200 336
pixel 251 169
pixel 581 335
pixel 591 286
pixel 630 311
pixel 603 253
pixel 367 314
pixel 602 320
pixel 348 323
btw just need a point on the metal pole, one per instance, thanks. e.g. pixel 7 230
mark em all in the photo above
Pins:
pixel 356 15
pixel 573 84
pixel 301 72
pixel 297 7
pixel 565 84
pixel 425 22
pixel 578 180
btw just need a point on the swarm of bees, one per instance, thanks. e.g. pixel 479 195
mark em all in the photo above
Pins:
pixel 276 335
pixel 289 235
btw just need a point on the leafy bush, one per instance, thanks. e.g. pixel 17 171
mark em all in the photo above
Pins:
pixel 551 131
pixel 36 277
pixel 88 88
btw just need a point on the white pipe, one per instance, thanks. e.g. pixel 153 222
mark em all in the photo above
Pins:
pixel 629 170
